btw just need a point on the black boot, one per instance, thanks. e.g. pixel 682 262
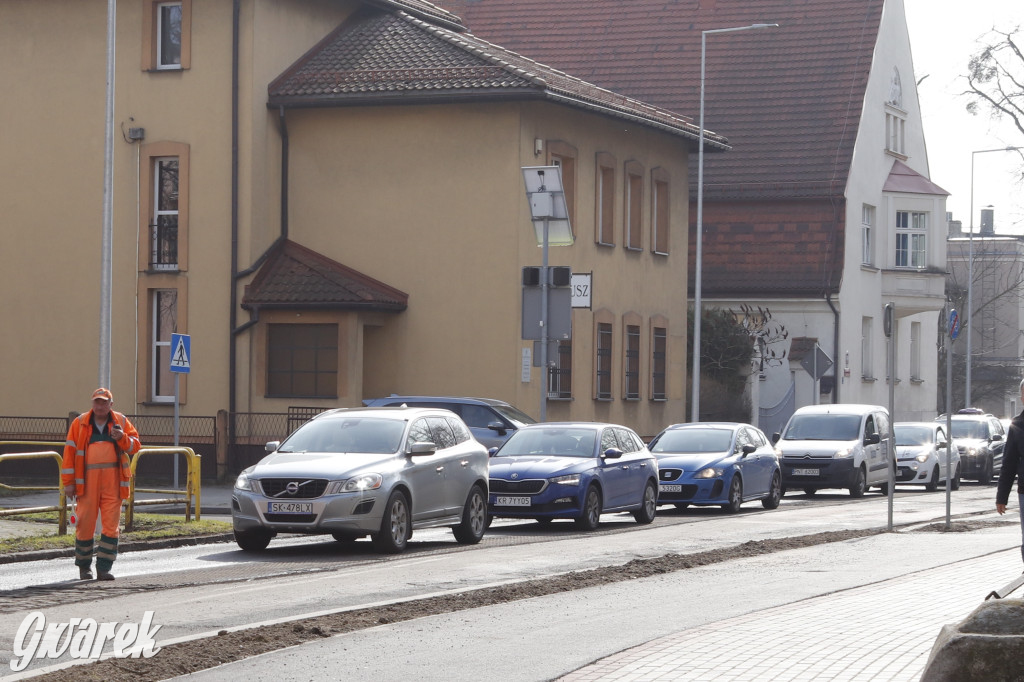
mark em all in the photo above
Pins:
pixel 84 573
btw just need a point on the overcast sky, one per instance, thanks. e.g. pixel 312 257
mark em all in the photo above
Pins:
pixel 943 35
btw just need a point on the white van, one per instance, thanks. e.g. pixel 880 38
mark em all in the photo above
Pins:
pixel 835 446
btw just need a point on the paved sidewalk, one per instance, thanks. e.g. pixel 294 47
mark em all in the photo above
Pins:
pixel 880 632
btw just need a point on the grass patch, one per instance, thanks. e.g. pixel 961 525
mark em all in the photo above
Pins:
pixel 146 527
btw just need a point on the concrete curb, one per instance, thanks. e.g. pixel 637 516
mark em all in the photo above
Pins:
pixel 164 543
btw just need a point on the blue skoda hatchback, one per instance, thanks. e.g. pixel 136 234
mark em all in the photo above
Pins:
pixel 716 463
pixel 573 470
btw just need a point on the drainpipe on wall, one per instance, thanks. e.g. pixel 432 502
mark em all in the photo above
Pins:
pixel 232 316
pixel 835 348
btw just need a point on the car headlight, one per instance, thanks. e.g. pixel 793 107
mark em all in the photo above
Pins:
pixel 355 484
pixel 922 458
pixel 845 452
pixel 971 452
pixel 243 483
pixel 710 472
pixel 569 479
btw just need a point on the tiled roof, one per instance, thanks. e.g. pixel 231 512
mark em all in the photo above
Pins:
pixel 423 10
pixel 904 179
pixel 380 58
pixel 296 277
pixel 789 99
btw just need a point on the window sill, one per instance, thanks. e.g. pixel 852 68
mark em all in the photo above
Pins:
pixel 635 249
pixel 609 244
pixel 559 399
pixel 658 400
pixel 898 155
pixel 868 267
pixel 602 399
pixel 869 380
pixel 916 380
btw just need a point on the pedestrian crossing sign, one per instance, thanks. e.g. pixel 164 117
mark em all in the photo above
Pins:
pixel 181 353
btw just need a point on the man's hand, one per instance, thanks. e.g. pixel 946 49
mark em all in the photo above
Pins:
pixel 116 432
pixel 1001 508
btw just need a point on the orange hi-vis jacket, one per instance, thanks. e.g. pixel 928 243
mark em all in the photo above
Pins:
pixel 72 474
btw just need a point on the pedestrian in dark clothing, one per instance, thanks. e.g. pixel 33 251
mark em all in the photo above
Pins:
pixel 1013 468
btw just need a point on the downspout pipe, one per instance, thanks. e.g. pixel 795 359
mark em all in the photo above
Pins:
pixel 835 347
pixel 233 314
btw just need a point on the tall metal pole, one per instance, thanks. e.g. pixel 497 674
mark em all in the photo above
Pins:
pixel 970 272
pixel 544 328
pixel 107 239
pixel 697 301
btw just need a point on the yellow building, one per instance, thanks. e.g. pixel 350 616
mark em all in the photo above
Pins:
pixel 328 198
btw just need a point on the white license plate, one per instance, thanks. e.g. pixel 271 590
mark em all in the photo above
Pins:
pixel 806 472
pixel 289 507
pixel 671 488
pixel 511 501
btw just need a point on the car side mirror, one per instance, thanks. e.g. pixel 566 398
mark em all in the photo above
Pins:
pixel 497 426
pixel 272 446
pixel 775 437
pixel 996 437
pixel 423 448
pixel 613 453
pixel 873 439
pixel 942 445
pixel 748 449
pixel 491 451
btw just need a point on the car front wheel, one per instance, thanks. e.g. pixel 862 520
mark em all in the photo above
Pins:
pixel 858 487
pixel 252 540
pixel 774 493
pixel 395 527
pixel 591 516
pixel 986 474
pixel 933 481
pixel 735 496
pixel 955 484
pixel 474 518
pixel 648 505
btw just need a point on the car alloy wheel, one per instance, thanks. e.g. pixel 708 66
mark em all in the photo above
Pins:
pixel 774 493
pixel 395 527
pixel 474 518
pixel 933 481
pixel 648 504
pixel 591 516
pixel 858 487
pixel 252 540
pixel 735 495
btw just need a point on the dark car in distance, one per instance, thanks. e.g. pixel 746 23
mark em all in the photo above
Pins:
pixel 491 421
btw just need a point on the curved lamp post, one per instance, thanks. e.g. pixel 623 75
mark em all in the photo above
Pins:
pixel 697 303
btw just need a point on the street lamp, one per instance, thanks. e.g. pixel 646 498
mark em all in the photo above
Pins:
pixel 970 272
pixel 550 217
pixel 697 303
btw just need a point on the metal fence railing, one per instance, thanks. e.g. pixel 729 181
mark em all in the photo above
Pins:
pixel 227 443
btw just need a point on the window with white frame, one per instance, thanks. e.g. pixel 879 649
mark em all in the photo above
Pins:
pixel 866 369
pixel 164 228
pixel 895 132
pixel 911 239
pixel 168 35
pixel 915 351
pixel 164 322
pixel 867 223
pixel 659 348
pixel 634 192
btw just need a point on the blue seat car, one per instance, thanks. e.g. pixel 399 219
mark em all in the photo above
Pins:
pixel 573 470
pixel 716 463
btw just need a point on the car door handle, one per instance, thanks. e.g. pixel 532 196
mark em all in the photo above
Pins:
pixel 464 462
pixel 625 467
pixel 439 469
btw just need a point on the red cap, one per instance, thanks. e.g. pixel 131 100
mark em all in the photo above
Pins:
pixel 103 394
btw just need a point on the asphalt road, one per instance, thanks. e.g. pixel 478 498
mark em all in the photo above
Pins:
pixel 198 591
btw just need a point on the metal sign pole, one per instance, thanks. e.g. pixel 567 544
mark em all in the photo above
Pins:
pixel 176 384
pixel 890 464
pixel 544 329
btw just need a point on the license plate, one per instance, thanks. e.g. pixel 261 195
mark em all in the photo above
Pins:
pixel 512 501
pixel 289 507
pixel 806 472
pixel 671 488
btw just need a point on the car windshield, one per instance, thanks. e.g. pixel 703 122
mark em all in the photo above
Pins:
pixel 823 427
pixel 693 440
pixel 914 435
pixel 966 428
pixel 373 435
pixel 514 415
pixel 560 442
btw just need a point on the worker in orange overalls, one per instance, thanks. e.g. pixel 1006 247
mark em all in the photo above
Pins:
pixel 97 470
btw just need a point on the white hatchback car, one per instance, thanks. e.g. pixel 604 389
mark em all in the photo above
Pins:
pixel 921 455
